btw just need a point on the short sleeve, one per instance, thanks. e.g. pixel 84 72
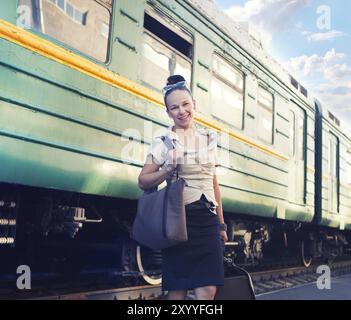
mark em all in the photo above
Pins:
pixel 212 145
pixel 158 150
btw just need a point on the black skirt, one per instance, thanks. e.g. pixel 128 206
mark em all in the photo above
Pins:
pixel 199 261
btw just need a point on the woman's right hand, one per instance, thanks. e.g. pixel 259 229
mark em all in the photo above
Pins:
pixel 150 176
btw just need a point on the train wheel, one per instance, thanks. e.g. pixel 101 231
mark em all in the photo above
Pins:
pixel 305 256
pixel 147 259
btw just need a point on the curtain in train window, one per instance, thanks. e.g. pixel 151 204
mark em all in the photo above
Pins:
pixel 82 24
pixel 227 90
pixel 265 115
pixel 166 50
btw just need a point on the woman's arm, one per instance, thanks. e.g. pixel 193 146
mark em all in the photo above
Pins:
pixel 218 197
pixel 151 175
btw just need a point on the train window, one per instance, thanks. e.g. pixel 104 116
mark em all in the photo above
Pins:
pixel 294 82
pixel 82 24
pixel 229 74
pixel 292 132
pixel 265 115
pixel 166 50
pixel 334 119
pixel 304 91
pixel 227 92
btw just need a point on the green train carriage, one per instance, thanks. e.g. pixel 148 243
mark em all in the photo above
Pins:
pixel 80 101
pixel 335 173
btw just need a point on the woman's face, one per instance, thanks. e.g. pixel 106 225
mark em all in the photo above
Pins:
pixel 180 108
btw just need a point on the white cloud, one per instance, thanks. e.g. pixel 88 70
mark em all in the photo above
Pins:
pixel 325 36
pixel 337 72
pixel 273 16
pixel 269 15
pixel 332 55
pixel 335 90
pixel 305 65
pixel 336 98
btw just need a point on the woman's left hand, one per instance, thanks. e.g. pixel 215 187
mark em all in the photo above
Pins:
pixel 223 235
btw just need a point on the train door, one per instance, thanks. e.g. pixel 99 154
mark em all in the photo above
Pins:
pixel 297 152
pixel 333 174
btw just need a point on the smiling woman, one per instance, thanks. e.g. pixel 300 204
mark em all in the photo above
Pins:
pixel 192 159
pixel 67 118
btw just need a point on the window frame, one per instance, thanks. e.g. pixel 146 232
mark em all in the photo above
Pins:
pixel 265 87
pixel 66 46
pixel 162 18
pixel 230 85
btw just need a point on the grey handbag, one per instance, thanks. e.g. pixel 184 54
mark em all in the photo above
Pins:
pixel 161 220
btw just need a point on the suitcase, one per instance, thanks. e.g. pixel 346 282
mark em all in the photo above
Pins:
pixel 238 286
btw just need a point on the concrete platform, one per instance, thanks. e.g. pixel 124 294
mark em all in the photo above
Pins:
pixel 340 289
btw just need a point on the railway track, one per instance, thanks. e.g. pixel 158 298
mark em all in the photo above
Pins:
pixel 263 281
pixel 268 281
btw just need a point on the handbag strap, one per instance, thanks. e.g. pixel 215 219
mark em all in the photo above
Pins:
pixel 170 146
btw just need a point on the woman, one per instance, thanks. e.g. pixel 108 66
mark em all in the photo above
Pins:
pixel 198 263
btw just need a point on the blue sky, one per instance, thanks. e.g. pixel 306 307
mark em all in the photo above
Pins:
pixel 310 38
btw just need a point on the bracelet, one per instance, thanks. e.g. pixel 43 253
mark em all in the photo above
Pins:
pixel 223 227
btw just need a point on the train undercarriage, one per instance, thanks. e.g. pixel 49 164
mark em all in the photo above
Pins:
pixel 61 233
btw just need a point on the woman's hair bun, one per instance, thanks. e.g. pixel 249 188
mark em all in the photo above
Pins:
pixel 174 79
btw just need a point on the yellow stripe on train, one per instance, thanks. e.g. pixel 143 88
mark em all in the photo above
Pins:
pixel 54 52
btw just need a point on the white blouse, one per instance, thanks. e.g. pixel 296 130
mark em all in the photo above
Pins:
pixel 197 167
